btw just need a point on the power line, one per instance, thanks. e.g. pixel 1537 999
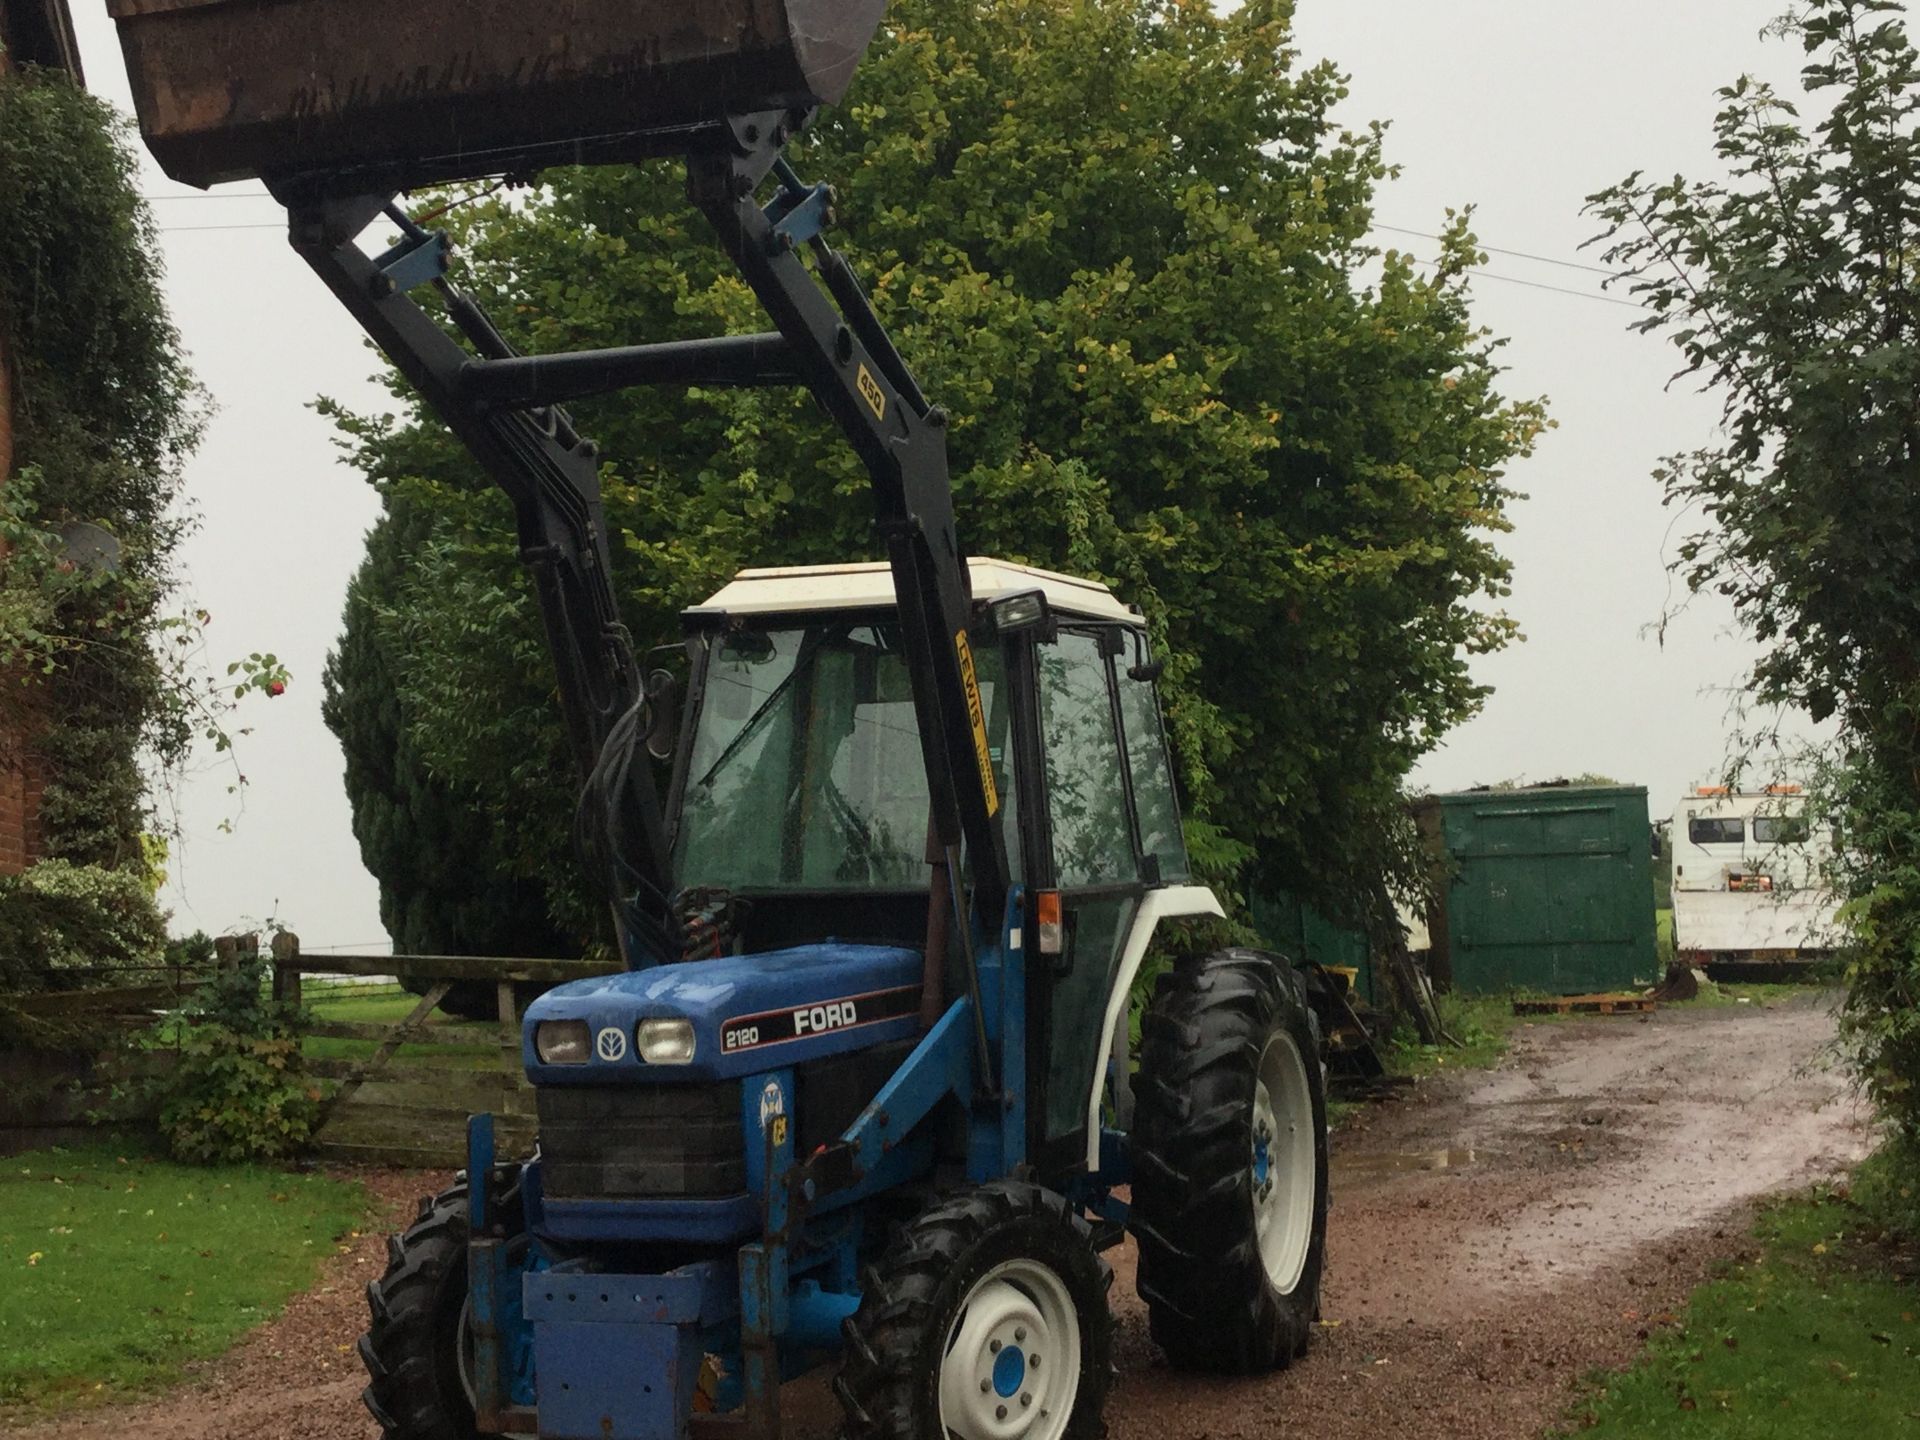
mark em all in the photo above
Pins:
pixel 1377 225
pixel 1478 273
pixel 1496 250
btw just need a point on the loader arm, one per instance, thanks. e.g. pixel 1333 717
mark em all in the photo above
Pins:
pixel 506 409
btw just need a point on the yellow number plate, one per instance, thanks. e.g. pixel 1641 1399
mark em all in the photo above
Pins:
pixel 871 392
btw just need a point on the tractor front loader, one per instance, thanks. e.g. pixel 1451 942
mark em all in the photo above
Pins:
pixel 863 1095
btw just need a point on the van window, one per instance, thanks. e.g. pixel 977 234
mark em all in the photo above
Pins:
pixel 1781 829
pixel 1717 830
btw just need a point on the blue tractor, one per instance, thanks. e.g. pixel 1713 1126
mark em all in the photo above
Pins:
pixel 883 869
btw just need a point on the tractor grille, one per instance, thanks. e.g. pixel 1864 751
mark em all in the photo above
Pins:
pixel 633 1142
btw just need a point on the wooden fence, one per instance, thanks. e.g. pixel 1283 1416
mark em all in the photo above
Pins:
pixel 387 1108
pixel 63 1097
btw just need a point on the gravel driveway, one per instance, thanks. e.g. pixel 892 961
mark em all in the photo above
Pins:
pixel 1492 1239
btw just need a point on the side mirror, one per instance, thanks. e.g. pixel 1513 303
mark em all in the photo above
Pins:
pixel 1143 669
pixel 1659 849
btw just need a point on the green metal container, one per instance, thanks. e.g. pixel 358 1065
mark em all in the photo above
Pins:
pixel 1291 927
pixel 1542 889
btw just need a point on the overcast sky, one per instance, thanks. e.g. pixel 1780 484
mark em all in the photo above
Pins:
pixel 1514 106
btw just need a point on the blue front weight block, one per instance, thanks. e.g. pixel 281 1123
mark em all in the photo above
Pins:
pixel 617 1357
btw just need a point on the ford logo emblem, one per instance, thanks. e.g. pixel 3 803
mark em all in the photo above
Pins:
pixel 611 1044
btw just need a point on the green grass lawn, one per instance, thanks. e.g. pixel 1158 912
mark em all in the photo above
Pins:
pixel 1484 1026
pixel 361 1004
pixel 390 1009
pixel 1815 1338
pixel 117 1268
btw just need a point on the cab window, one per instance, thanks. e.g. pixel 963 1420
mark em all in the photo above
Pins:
pixel 1153 795
pixel 1086 787
pixel 805 769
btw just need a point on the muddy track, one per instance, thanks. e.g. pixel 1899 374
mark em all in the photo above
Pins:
pixel 1512 1230
pixel 1492 1240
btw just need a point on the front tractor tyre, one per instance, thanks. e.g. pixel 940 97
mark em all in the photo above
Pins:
pixel 985 1319
pixel 1230 1164
pixel 417 1348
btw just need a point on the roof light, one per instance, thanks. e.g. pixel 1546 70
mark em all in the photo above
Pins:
pixel 1018 612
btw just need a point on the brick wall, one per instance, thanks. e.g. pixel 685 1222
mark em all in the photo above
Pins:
pixel 21 784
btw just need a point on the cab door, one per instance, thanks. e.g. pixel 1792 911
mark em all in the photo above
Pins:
pixel 1096 722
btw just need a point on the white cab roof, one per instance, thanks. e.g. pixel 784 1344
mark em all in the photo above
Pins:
pixel 869 586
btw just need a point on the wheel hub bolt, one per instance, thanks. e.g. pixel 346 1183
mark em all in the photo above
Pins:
pixel 1034 1361
pixel 999 1412
pixel 993 1347
pixel 1019 1335
pixel 1025 1400
pixel 985 1386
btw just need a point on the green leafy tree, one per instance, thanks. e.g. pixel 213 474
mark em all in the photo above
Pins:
pixel 432 844
pixel 1789 288
pixel 105 411
pixel 101 686
pixel 1124 244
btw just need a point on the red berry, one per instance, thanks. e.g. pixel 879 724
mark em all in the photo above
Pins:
pixel 278 687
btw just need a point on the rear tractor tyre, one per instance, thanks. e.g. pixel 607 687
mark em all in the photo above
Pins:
pixel 417 1348
pixel 986 1319
pixel 1230 1164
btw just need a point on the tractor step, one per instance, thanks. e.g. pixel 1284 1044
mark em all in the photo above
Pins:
pixel 1107 1234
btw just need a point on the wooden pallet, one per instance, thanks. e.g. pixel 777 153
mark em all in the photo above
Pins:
pixel 1587 1005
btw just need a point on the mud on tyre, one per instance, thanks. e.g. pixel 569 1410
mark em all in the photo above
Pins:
pixel 985 1319
pixel 1230 1164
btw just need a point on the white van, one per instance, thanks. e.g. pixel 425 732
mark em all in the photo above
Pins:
pixel 1747 878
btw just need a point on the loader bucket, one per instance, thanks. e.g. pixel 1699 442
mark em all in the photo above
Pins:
pixel 375 93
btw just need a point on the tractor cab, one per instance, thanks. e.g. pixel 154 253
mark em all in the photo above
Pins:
pixel 807 895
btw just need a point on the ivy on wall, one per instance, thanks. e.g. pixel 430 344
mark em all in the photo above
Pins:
pixel 105 411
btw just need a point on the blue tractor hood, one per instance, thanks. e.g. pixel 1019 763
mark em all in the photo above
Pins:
pixel 750 1013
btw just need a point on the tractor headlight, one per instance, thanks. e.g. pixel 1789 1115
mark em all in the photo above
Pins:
pixel 561 1042
pixel 664 1042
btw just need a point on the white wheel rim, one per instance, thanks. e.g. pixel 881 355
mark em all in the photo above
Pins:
pixel 1281 1175
pixel 465 1365
pixel 1011 1367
